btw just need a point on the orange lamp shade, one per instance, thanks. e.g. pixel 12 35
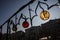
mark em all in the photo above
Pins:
pixel 44 15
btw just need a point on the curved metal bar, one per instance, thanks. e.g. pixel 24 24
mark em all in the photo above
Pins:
pixel 21 17
pixel 53 5
pixel 15 19
pixel 40 5
pixel 30 15
pixel 36 8
pixel 45 4
pixel 11 22
pixel 35 11
pixel 19 10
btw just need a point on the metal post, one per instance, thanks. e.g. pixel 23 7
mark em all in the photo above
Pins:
pixel 30 15
pixel 8 30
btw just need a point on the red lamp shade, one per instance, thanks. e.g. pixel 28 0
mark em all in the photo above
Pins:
pixel 25 24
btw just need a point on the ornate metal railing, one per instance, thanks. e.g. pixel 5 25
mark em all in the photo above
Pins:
pixel 9 21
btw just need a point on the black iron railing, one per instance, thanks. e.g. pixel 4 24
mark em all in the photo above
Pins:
pixel 9 21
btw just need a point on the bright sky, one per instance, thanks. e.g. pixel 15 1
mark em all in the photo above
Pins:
pixel 9 7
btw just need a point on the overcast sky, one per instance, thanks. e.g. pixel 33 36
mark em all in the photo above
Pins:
pixel 9 7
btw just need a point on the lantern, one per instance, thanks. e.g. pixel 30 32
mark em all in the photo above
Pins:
pixel 25 24
pixel 44 15
pixel 14 28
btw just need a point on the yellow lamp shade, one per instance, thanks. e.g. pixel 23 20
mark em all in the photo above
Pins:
pixel 44 15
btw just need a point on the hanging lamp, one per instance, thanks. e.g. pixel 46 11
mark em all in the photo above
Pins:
pixel 44 15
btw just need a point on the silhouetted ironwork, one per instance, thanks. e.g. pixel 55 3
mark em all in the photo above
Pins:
pixel 19 10
pixel 45 0
pixel 9 20
pixel 37 31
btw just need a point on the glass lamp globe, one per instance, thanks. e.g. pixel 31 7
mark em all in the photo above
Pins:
pixel 44 15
